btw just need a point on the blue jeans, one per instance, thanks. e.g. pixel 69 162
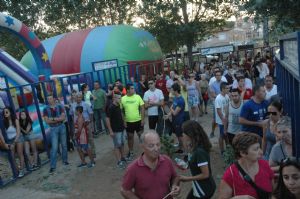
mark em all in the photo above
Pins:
pixel 99 114
pixel 58 133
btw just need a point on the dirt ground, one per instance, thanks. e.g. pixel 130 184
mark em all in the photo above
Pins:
pixel 101 182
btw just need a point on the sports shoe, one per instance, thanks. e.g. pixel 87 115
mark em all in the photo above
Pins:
pixel 129 156
pixel 212 134
pixel 179 151
pixel 121 164
pixel 82 165
pixel 52 170
pixel 66 163
pixel 91 165
pixel 21 173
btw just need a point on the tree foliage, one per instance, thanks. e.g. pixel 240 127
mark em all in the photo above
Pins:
pixel 51 17
pixel 183 22
pixel 284 15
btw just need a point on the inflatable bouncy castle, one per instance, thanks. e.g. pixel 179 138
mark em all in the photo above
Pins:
pixel 76 52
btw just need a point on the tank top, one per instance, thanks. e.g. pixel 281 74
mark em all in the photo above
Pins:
pixel 11 132
pixel 83 138
pixel 233 119
pixel 192 90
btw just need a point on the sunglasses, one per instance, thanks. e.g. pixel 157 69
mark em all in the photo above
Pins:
pixel 150 83
pixel 6 112
pixel 272 113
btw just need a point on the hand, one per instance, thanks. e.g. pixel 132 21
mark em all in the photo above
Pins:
pixel 264 123
pixel 243 197
pixel 184 178
pixel 175 190
pixel 224 121
pixel 142 122
pixel 111 134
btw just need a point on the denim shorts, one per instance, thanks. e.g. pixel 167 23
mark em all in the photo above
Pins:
pixel 28 137
pixel 221 128
pixel 118 139
pixel 193 101
pixel 83 147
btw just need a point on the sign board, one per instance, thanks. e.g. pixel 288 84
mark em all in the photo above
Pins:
pixel 216 50
pixel 101 65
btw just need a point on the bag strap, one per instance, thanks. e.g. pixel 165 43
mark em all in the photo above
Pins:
pixel 232 181
pixel 248 179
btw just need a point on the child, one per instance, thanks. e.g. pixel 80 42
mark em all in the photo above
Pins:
pixel 81 137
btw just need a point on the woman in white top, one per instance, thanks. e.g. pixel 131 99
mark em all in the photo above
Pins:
pixel 14 138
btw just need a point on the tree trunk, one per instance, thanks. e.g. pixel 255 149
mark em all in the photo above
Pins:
pixel 190 54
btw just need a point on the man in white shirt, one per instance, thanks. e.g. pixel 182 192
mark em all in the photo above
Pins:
pixel 153 99
pixel 170 81
pixel 271 88
pixel 221 108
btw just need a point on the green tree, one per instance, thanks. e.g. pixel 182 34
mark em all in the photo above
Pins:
pixel 50 17
pixel 184 22
pixel 283 15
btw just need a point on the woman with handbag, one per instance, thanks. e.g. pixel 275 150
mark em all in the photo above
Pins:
pixel 250 176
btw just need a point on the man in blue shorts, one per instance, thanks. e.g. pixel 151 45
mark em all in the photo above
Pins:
pixel 115 125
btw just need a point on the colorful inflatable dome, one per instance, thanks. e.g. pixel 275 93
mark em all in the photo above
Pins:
pixel 76 51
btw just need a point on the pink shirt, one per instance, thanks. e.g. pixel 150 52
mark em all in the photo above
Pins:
pixel 263 179
pixel 148 184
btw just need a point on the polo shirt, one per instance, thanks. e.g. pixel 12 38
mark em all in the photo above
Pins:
pixel 147 183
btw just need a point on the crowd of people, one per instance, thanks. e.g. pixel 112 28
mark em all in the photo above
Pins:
pixel 246 108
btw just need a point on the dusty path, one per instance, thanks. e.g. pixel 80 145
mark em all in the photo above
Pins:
pixel 101 182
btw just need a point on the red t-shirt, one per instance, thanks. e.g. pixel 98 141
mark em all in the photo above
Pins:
pixel 148 184
pixel 263 179
pixel 248 93
pixel 162 85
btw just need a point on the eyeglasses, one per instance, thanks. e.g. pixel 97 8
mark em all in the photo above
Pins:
pixel 150 83
pixel 272 113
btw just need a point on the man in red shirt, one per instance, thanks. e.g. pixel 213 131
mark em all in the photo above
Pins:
pixel 151 176
pixel 161 84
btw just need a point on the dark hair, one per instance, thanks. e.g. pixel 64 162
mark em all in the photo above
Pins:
pixel 269 76
pixel 197 134
pixel 13 118
pixel 118 80
pixel 256 88
pixel 128 85
pixel 83 86
pixel 242 142
pixel 176 87
pixel 235 90
pixel 24 123
pixel 281 191
pixel 97 82
pixel 79 109
pixel 223 85
pixel 277 105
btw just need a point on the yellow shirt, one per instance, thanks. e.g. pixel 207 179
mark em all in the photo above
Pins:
pixel 131 106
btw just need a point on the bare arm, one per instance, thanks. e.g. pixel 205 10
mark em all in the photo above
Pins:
pixel 176 111
pixel 204 175
pixel 143 112
pixel 128 194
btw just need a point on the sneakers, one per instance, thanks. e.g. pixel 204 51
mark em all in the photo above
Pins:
pixel 91 165
pixel 82 165
pixel 129 156
pixel 52 170
pixel 121 164
pixel 212 134
pixel 179 151
pixel 21 173
pixel 66 163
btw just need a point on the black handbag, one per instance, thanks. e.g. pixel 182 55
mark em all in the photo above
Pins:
pixel 262 194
